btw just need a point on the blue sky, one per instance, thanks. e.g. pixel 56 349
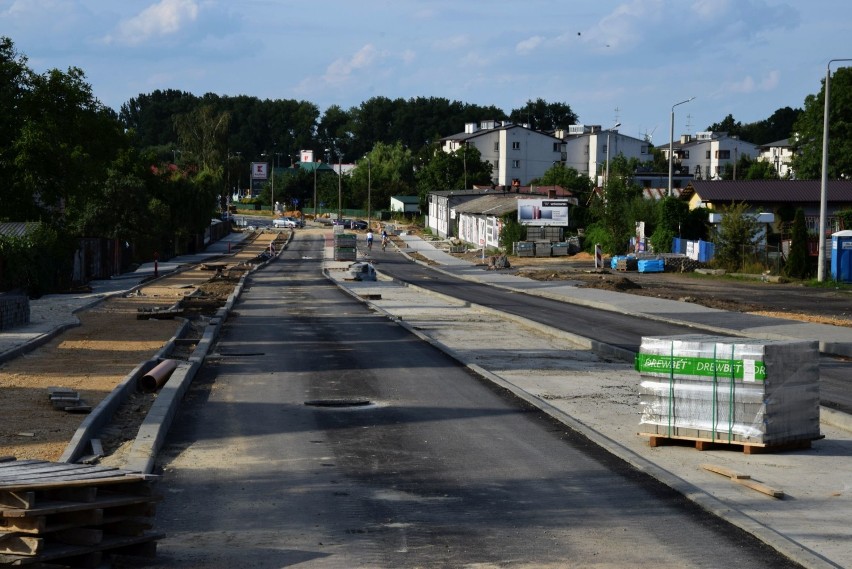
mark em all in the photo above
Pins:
pixel 612 61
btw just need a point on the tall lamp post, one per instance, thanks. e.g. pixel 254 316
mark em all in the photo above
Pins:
pixel 272 176
pixel 823 189
pixel 606 176
pixel 369 190
pixel 339 187
pixel 671 141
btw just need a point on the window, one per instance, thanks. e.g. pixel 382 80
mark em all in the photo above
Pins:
pixel 496 146
pixel 516 163
pixel 586 150
pixel 723 154
pixel 686 154
pixel 644 149
pixel 707 155
pixel 556 146
pixel 516 145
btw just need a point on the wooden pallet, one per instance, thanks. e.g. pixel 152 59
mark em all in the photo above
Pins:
pixel 73 515
pixel 656 440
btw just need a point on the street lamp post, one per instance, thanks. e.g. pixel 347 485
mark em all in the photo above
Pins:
pixel 339 187
pixel 671 141
pixel 823 192
pixel 272 188
pixel 606 175
pixel 369 190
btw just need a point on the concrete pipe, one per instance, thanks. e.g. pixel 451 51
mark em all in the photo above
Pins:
pixel 157 377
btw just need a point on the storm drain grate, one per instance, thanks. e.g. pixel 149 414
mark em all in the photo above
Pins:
pixel 338 402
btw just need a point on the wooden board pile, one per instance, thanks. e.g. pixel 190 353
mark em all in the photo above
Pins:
pixel 71 515
pixel 729 390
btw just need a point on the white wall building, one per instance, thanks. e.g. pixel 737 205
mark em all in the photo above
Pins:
pixel 780 155
pixel 514 151
pixel 584 148
pixel 706 154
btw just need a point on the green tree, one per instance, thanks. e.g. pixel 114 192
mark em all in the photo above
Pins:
pixel 14 84
pixel 449 171
pixel 63 149
pixel 807 160
pixel 797 265
pixel 388 169
pixel 203 133
pixel 544 116
pixel 612 209
pixel 735 237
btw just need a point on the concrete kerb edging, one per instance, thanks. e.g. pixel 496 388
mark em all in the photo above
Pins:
pixel 158 421
pixel 103 412
pixel 777 541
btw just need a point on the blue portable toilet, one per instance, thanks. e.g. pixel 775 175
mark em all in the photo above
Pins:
pixel 841 256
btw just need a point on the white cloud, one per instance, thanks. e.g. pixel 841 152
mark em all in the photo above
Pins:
pixel 751 85
pixel 164 18
pixel 528 45
pixel 341 70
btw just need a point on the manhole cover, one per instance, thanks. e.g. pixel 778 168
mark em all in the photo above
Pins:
pixel 338 402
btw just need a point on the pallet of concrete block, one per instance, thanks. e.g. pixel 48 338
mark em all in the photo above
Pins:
pixel 55 514
pixel 761 394
pixel 624 263
pixel 542 248
pixel 650 265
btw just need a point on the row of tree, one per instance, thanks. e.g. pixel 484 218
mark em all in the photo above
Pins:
pixel 154 173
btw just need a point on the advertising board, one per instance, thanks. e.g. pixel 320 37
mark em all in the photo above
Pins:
pixel 541 212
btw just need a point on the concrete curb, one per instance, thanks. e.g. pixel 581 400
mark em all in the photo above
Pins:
pixel 103 412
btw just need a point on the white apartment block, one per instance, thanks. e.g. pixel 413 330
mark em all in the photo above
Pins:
pixel 584 148
pixel 706 154
pixel 515 152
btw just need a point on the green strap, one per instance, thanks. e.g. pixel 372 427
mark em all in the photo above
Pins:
pixel 715 393
pixel 731 399
pixel 671 387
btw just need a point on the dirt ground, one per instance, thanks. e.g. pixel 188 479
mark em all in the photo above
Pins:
pixel 94 357
pixel 111 341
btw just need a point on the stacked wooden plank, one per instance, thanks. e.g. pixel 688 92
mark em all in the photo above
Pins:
pixel 729 390
pixel 73 515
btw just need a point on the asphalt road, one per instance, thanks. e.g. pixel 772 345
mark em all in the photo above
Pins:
pixel 426 466
pixel 613 328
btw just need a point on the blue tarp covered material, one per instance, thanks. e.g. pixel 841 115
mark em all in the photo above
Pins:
pixel 652 266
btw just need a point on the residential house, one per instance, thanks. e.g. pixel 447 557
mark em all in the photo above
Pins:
pixel 516 152
pixel 780 155
pixel 585 149
pixel 775 196
pixel 443 217
pixel 441 214
pixel 706 154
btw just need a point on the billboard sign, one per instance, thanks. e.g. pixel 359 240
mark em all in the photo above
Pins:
pixel 541 212
pixel 258 170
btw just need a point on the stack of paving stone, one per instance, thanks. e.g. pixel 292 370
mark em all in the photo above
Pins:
pixel 344 247
pixel 729 390
pixel 14 310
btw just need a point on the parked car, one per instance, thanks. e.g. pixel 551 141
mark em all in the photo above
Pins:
pixel 297 221
pixel 284 222
pixel 346 223
pixel 359 224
